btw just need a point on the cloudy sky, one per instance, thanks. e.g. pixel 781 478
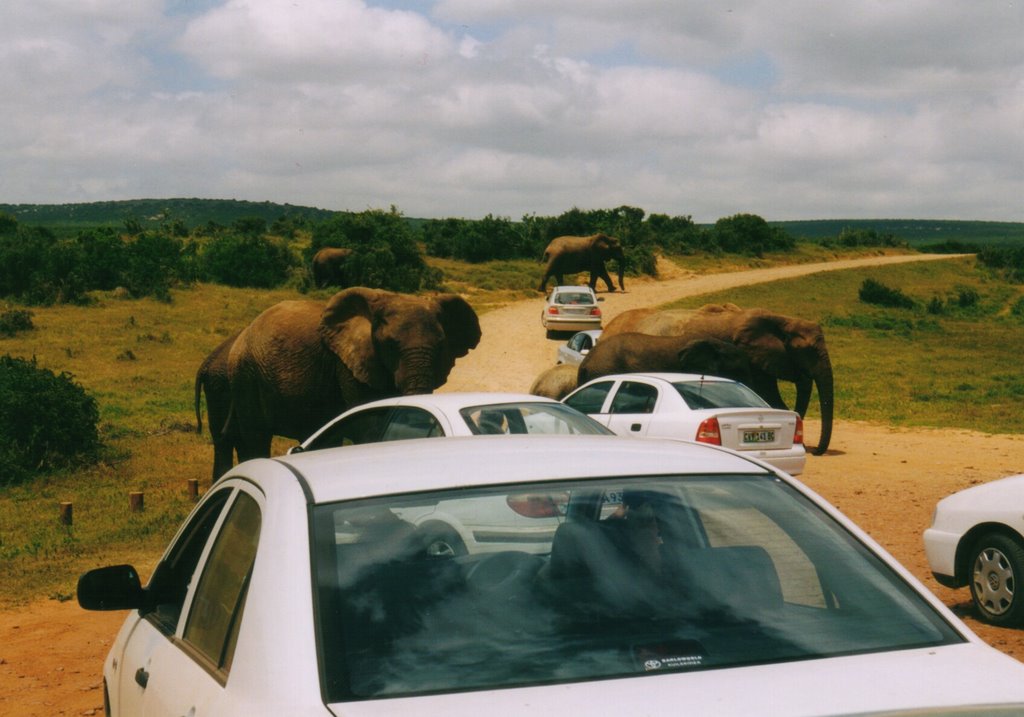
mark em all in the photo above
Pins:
pixel 790 109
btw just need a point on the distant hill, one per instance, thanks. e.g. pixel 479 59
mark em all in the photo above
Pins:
pixel 151 212
pixel 69 218
pixel 916 232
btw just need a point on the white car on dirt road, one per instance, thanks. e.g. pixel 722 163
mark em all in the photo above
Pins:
pixel 694 407
pixel 977 539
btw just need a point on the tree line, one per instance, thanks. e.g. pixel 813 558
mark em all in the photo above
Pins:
pixel 37 266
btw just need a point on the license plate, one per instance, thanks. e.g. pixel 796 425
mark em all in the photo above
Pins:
pixel 758 436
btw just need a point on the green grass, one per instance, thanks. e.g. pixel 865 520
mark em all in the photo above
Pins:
pixel 909 367
pixel 138 358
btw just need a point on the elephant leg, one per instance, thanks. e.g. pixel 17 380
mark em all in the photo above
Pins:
pixel 767 387
pixel 607 280
pixel 803 395
pixel 223 459
pixel 254 446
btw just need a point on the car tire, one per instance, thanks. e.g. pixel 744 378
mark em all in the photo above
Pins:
pixel 441 541
pixel 997 561
pixel 549 333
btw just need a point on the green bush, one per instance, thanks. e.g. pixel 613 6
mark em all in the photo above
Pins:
pixel 246 260
pixel 385 252
pixel 875 292
pixel 47 421
pixel 751 235
pixel 15 320
pixel 1009 261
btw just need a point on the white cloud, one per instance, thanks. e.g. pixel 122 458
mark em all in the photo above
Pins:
pixel 791 109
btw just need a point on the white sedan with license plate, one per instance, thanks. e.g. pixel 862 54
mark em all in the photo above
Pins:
pixel 694 407
pixel 977 539
pixel 672 577
pixel 571 308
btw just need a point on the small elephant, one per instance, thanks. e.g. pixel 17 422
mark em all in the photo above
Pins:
pixel 634 353
pixel 572 254
pixel 556 382
pixel 779 347
pixel 301 363
pixel 212 377
pixel 329 267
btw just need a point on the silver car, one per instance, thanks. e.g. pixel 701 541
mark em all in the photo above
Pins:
pixel 573 351
pixel 570 308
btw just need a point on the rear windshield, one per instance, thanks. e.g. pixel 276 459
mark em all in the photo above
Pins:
pixel 718 394
pixel 514 418
pixel 542 583
pixel 573 297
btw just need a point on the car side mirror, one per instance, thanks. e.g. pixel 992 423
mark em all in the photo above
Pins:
pixel 600 298
pixel 117 587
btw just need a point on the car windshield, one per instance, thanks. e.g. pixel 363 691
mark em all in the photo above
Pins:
pixel 538 583
pixel 718 394
pixel 573 297
pixel 529 418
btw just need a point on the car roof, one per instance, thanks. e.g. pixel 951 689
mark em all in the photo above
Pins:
pixel 670 377
pixel 360 471
pixel 455 400
pixel 573 287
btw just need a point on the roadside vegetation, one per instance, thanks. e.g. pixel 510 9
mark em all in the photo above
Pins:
pixel 128 319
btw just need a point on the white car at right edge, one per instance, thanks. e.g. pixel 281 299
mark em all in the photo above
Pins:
pixel 977 538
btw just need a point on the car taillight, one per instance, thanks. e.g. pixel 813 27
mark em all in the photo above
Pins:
pixel 708 432
pixel 553 310
pixel 595 311
pixel 798 435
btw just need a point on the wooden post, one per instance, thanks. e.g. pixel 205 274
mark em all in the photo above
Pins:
pixel 136 501
pixel 66 513
pixel 193 488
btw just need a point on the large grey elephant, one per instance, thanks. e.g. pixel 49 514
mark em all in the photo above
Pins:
pixel 780 348
pixel 572 254
pixel 635 352
pixel 329 266
pixel 300 363
pixel 212 378
pixel 556 382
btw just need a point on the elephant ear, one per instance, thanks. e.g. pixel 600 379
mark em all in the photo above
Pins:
pixel 346 327
pixel 763 335
pixel 460 323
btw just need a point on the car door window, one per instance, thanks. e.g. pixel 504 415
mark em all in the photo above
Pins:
pixel 408 422
pixel 216 609
pixel 169 584
pixel 362 427
pixel 590 399
pixel 634 397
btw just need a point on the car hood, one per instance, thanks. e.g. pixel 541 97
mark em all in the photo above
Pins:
pixel 914 682
pixel 996 493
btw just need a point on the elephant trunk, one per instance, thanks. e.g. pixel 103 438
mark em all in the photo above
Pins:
pixel 823 382
pixel 418 371
pixel 622 272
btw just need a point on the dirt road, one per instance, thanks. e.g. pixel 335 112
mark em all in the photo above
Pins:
pixel 886 479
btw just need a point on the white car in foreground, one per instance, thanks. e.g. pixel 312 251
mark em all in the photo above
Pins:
pixel 694 407
pixel 676 578
pixel 977 538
